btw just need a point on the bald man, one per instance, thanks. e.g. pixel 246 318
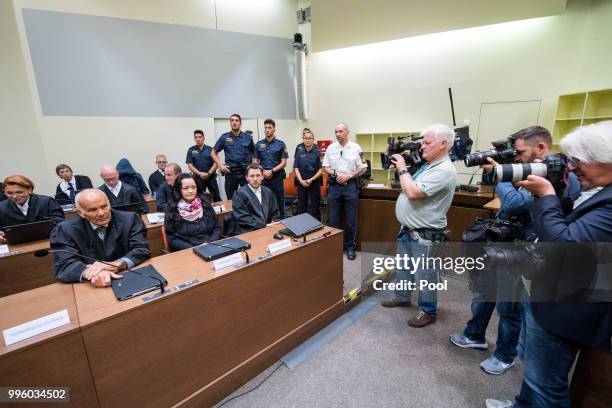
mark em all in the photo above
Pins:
pixel 120 193
pixel 116 237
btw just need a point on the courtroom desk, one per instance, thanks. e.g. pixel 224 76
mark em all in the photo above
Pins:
pixel 21 270
pixel 195 346
pixel 56 358
pixel 149 199
pixel 591 387
pixel 376 221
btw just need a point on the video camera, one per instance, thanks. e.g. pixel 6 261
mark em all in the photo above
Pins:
pixel 410 151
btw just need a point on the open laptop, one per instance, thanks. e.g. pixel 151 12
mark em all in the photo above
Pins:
pixel 34 231
pixel 300 225
pixel 132 284
pixel 134 207
pixel 229 246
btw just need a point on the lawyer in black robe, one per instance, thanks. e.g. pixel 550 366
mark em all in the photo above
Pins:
pixel 249 214
pixel 127 195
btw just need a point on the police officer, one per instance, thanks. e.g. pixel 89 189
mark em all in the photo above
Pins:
pixel 344 163
pixel 239 149
pixel 307 168
pixel 201 164
pixel 271 154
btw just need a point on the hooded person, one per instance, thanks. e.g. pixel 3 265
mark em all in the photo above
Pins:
pixel 128 175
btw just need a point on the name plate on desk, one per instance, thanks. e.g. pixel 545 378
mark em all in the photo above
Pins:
pixel 279 246
pixel 35 327
pixel 226 261
pixel 4 250
pixel 155 218
pixel 219 209
pixel 372 185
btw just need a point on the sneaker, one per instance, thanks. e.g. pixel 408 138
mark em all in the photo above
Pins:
pixel 493 365
pixel 462 341
pixel 395 303
pixel 421 319
pixel 493 403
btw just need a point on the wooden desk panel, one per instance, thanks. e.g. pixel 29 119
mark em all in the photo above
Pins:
pixel 226 328
pixel 21 270
pixel 56 358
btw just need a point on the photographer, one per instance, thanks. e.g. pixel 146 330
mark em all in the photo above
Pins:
pixel 556 330
pixel 531 144
pixel 421 209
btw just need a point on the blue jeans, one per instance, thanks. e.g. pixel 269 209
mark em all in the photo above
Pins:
pixel 342 200
pixel 416 248
pixel 490 286
pixel 547 361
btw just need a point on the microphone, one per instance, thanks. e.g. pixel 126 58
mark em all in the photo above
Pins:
pixel 230 247
pixel 44 252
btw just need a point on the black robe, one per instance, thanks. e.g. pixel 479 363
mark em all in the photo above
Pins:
pixel 82 182
pixel 249 214
pixel 127 195
pixel 126 237
pixel 39 208
pixel 156 179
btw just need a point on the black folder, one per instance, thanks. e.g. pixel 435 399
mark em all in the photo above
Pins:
pixel 33 231
pixel 210 252
pixel 300 225
pixel 133 284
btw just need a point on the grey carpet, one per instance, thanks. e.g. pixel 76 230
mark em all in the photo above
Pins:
pixel 381 362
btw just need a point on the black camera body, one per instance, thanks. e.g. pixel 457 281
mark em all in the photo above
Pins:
pixel 410 151
pixel 504 152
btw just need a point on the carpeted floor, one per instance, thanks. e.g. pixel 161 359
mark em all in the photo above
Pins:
pixel 379 361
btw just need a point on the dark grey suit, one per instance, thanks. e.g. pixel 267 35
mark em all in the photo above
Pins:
pixel 127 195
pixel 126 237
pixel 249 214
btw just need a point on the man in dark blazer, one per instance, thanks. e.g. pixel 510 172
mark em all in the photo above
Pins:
pixel 253 205
pixel 164 193
pixel 156 179
pixel 70 185
pixel 120 193
pixel 23 206
pixel 116 237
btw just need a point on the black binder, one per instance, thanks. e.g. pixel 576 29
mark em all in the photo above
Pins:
pixel 210 252
pixel 133 284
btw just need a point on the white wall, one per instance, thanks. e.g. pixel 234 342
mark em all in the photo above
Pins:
pixel 37 143
pixel 402 85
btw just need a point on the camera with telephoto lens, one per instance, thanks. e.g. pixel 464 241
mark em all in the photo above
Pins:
pixel 527 257
pixel 503 153
pixel 553 168
pixel 410 151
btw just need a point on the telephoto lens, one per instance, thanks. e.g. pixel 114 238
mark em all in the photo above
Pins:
pixel 518 171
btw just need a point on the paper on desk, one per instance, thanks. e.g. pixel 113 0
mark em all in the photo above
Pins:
pixel 4 250
pixel 35 327
pixel 155 218
pixel 372 185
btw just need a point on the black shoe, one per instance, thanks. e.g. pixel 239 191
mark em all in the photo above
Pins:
pixel 350 254
pixel 395 303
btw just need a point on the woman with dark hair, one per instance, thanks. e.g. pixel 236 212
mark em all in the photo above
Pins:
pixel 190 218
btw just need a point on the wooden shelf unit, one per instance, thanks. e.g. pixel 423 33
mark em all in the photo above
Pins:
pixel 579 109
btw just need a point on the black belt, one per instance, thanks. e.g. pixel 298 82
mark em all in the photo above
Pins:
pixel 430 234
pixel 332 182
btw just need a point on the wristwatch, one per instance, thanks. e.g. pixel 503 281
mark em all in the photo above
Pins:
pixel 403 171
pixel 123 265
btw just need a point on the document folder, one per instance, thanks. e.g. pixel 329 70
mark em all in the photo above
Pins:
pixel 228 246
pixel 133 284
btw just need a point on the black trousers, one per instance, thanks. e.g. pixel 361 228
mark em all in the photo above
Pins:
pixel 276 185
pixel 210 185
pixel 232 182
pixel 312 194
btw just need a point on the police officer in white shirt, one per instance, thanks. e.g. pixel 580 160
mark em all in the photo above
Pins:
pixel 344 163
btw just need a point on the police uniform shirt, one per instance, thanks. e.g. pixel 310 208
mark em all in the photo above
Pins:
pixel 200 158
pixel 270 153
pixel 238 149
pixel 307 162
pixel 347 159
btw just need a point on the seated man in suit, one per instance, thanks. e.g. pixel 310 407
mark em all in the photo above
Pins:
pixel 156 179
pixel 2 196
pixel 164 192
pixel 120 193
pixel 253 205
pixel 22 206
pixel 116 237
pixel 70 185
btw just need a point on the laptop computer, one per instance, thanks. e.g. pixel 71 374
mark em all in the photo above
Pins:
pixel 34 231
pixel 132 284
pixel 300 225
pixel 134 207
pixel 210 251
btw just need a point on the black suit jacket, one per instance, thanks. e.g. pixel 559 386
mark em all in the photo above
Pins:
pixel 187 234
pixel 82 182
pixel 39 208
pixel 126 237
pixel 565 311
pixel 127 195
pixel 156 179
pixel 248 214
pixel 162 196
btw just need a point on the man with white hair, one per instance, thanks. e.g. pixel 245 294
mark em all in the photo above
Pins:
pixel 120 193
pixel 421 209
pixel 115 237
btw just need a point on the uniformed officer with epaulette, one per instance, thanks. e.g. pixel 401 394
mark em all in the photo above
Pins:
pixel 307 168
pixel 202 165
pixel 271 154
pixel 238 148
pixel 344 163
